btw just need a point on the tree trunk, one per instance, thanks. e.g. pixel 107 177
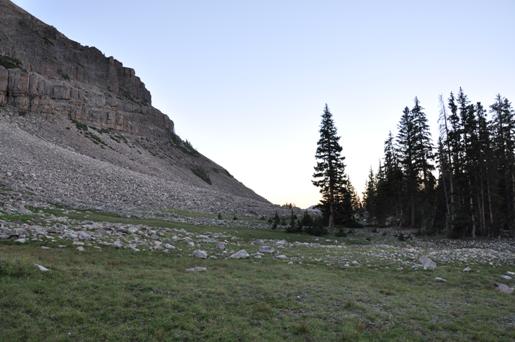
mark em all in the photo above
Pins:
pixel 471 204
pixel 490 211
pixel 331 217
pixel 447 204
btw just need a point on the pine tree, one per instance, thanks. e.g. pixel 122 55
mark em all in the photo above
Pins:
pixel 389 185
pixel 503 144
pixel 370 197
pixel 406 151
pixel 415 151
pixel 469 138
pixel 329 173
pixel 446 182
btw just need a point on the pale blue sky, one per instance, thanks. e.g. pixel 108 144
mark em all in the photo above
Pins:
pixel 246 81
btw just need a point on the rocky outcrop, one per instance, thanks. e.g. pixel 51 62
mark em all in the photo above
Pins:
pixel 57 95
pixel 42 71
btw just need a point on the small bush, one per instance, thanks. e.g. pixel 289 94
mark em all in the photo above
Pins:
pixel 184 145
pixel 317 228
pixel 202 174
pixel 80 126
pixel 9 62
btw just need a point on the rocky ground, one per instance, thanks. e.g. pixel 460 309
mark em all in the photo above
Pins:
pixel 206 236
pixel 53 160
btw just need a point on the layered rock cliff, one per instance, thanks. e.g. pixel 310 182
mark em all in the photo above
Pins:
pixel 42 71
pixel 54 90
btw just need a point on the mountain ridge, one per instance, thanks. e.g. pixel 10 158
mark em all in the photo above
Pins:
pixel 76 98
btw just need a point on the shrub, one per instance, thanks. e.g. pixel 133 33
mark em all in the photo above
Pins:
pixel 202 174
pixel 9 62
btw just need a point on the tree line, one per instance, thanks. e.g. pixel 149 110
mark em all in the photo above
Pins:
pixel 463 187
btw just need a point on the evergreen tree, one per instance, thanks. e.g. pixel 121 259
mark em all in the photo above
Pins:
pixel 406 151
pixel 329 173
pixel 370 197
pixel 415 152
pixel 503 144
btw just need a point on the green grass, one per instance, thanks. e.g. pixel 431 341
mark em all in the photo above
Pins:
pixel 118 295
pixel 244 233
pixel 16 217
pixel 192 213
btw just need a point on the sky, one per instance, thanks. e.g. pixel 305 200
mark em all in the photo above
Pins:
pixel 246 81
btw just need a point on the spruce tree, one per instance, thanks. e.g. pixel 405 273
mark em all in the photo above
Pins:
pixel 503 144
pixel 406 151
pixel 329 173
pixel 415 151
pixel 370 197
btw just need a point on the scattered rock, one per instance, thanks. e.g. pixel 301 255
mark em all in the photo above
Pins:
pixel 41 268
pixel 196 269
pixel 198 253
pixel 117 244
pixel 427 263
pixel 281 257
pixel 82 235
pixel 168 246
pixel 506 277
pixel 80 249
pixel 241 254
pixel 504 288
pixel 20 240
pixel 467 269
pixel 440 280
pixel 266 249
pixel 220 245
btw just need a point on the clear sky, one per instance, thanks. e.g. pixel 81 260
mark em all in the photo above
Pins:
pixel 246 81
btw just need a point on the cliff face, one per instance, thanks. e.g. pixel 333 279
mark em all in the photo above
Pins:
pixel 41 71
pixel 58 92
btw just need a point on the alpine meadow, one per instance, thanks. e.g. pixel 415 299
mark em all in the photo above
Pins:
pixel 257 170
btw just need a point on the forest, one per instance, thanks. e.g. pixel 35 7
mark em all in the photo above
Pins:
pixel 461 186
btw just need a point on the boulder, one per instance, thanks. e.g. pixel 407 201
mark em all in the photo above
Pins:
pixel 427 263
pixel 266 249
pixel 41 268
pixel 198 253
pixel 168 246
pixel 503 288
pixel 241 254
pixel 82 235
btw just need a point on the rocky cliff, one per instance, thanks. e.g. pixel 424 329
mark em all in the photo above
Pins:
pixel 42 71
pixel 56 91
